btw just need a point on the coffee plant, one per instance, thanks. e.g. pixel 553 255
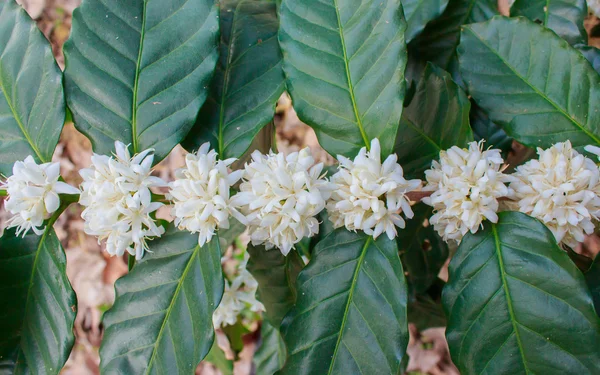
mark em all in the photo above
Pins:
pixel 420 101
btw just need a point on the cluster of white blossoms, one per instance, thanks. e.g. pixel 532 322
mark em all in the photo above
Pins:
pixel 239 295
pixel 33 194
pixel 200 194
pixel 560 189
pixel 118 201
pixel 280 197
pixel 370 195
pixel 466 185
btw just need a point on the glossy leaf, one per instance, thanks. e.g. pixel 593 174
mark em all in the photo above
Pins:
pixel 161 322
pixel 592 54
pixel 440 38
pixel 137 71
pixel 248 79
pixel 228 236
pixel 484 128
pixel 422 251
pixel 344 62
pixel 592 277
pixel 32 105
pixel 419 12
pixel 270 355
pixel 531 82
pixel 350 315
pixel 564 17
pixel 276 276
pixel 436 119
pixel 38 304
pixel 516 304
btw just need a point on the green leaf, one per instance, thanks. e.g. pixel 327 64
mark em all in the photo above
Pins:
pixel 531 82
pixel 424 312
pixel 137 71
pixel 516 304
pixel 228 236
pixel 484 128
pixel 418 13
pixel 216 356
pixel 592 54
pixel 564 17
pixel 32 104
pixel 248 79
pixel 38 304
pixel 422 251
pixel 436 119
pixel 344 63
pixel 276 275
pixel 592 277
pixel 440 38
pixel 350 315
pixel 270 355
pixel 161 322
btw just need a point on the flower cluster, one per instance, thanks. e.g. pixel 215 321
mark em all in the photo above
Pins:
pixel 466 185
pixel 370 195
pixel 200 194
pixel 239 296
pixel 33 194
pixel 118 202
pixel 280 197
pixel 561 189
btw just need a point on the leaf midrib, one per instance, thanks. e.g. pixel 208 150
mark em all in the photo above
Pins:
pixel 511 311
pixel 559 109
pixel 19 122
pixel 414 127
pixel 171 308
pixel 349 302
pixel 134 108
pixel 349 78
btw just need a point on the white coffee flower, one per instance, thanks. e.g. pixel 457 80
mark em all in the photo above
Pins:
pixel 370 195
pixel 466 185
pixel 239 295
pixel 116 194
pixel 280 197
pixel 560 189
pixel 33 194
pixel 594 7
pixel 200 193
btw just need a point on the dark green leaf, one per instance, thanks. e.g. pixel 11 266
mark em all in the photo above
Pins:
pixel 436 119
pixel 276 275
pixel 270 355
pixel 38 304
pixel 564 17
pixel 161 322
pixel 516 304
pixel 32 104
pixel 484 128
pixel 592 54
pixel 531 82
pixel 424 312
pixel 137 70
pixel 344 63
pixel 422 251
pixel 228 236
pixel 592 277
pixel 350 315
pixel 248 79
pixel 419 12
pixel 216 357
pixel 440 38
